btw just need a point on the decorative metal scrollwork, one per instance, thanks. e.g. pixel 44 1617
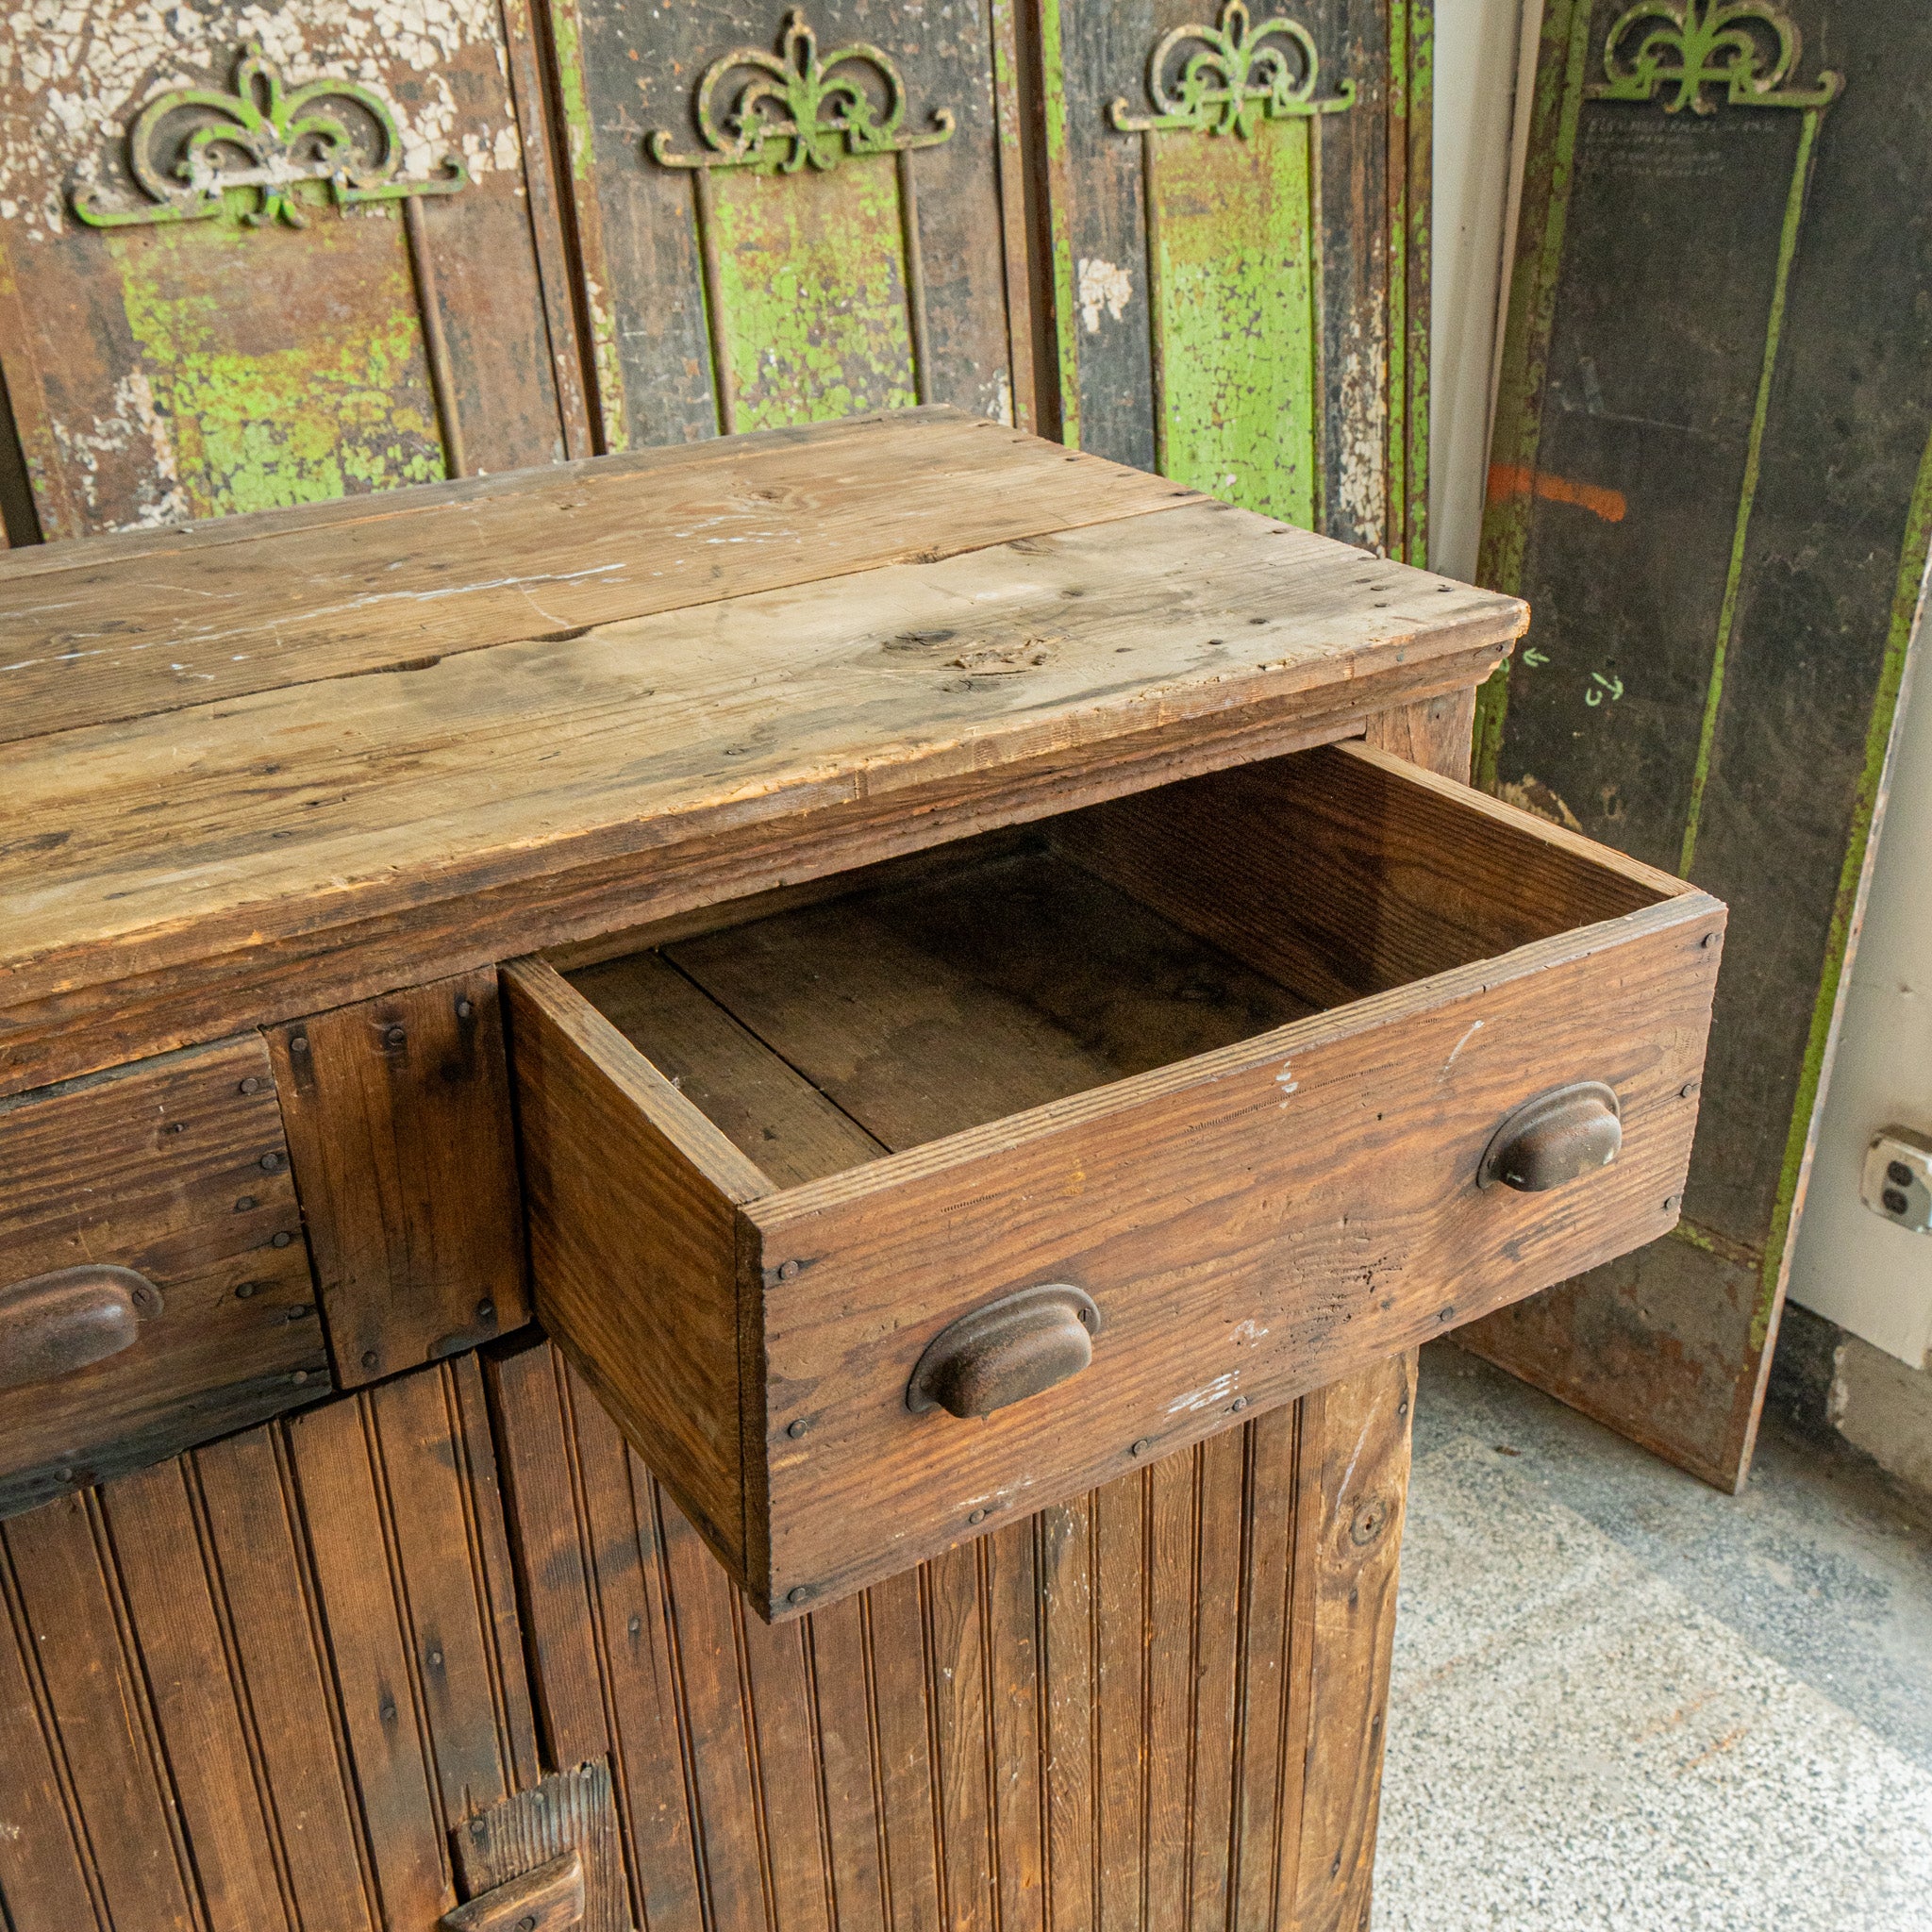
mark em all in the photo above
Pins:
pixel 1684 47
pixel 1237 75
pixel 797 108
pixel 191 145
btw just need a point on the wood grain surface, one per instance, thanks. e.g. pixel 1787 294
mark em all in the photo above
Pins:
pixel 1101 1705
pixel 177 1169
pixel 398 1120
pixel 255 1688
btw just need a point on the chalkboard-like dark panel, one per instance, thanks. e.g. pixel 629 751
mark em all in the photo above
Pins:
pixel 1710 480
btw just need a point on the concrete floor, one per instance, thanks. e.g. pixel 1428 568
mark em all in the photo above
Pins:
pixel 1624 1703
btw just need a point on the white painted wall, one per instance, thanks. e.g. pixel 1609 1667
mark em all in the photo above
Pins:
pixel 1477 52
pixel 1851 1265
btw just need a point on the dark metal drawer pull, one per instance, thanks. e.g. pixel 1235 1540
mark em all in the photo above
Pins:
pixel 1005 1351
pixel 52 1324
pixel 1554 1137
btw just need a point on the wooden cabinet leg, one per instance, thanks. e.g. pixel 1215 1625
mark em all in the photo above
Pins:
pixel 1352 1492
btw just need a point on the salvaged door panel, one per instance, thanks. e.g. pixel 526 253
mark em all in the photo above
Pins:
pixel 785 217
pixel 253 261
pixel 255 1689
pixel 1239 220
pixel 1711 481
pixel 1159 1703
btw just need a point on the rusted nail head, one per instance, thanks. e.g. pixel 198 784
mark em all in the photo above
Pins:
pixel 1142 1447
pixel 1709 939
pixel 977 1516
pixel 798 1429
pixel 270 1163
pixel 395 1036
pixel 1688 1090
pixel 298 1044
pixel 246 1288
pixel 799 1595
pixel 244 1203
pixel 250 1085
pixel 1239 1403
pixel 788 1270
pixel 370 1357
pixel 1671 1203
pixel 486 1309
pixel 280 1241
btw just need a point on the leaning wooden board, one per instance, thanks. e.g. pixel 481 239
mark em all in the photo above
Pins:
pixel 1141 1653
pixel 1715 490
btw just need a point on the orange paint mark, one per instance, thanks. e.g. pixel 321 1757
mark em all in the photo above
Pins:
pixel 1519 479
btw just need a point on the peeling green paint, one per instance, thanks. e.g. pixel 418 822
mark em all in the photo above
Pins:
pixel 1848 906
pixel 1053 68
pixel 1233 299
pixel 331 393
pixel 812 292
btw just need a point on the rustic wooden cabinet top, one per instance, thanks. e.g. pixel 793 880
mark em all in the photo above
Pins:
pixel 257 766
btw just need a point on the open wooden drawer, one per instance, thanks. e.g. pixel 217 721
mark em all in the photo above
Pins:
pixel 1224 1062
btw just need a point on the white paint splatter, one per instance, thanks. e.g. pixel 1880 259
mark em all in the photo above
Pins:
pixel 1250 1331
pixel 1287 1081
pixel 1102 285
pixel 1474 1030
pixel 1211 1396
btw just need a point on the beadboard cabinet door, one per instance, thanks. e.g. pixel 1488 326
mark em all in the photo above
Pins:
pixel 251 260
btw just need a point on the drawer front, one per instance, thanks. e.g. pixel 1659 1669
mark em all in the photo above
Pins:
pixel 953 1122
pixel 1250 1226
pixel 177 1171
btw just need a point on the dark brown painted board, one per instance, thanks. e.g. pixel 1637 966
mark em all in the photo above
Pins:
pixel 280 1670
pixel 1714 490
pixel 199 367
pixel 945 1755
pixel 399 1126
pixel 177 1168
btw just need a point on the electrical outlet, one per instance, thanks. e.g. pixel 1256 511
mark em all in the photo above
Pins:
pixel 1898 1178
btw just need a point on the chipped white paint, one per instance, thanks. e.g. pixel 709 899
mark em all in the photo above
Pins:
pixel 1287 1081
pixel 77 71
pixel 1212 1396
pixel 159 496
pixel 1361 488
pixel 1472 1033
pixel 1000 407
pixel 1249 1332
pixel 1103 285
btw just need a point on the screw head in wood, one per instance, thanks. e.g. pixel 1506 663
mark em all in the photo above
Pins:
pixel 1239 1403
pixel 788 1270
pixel 797 1429
pixel 977 1516
pixel 800 1595
pixel 1142 1447
pixel 250 1085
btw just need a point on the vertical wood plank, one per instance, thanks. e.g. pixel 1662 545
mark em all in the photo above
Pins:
pixel 1354 1482
pixel 47 1879
pixel 1122 1622
pixel 198 1699
pixel 848 1760
pixel 106 1726
pixel 353 1547
pixel 897 1639
pixel 1065 1558
pixel 1219 1574
pixel 960 1735
pixel 269 1599
pixel 1173 1532
pixel 785 1754
pixel 1013 1685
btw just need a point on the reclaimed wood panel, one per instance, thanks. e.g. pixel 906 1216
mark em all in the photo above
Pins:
pixel 961 1740
pixel 177 1168
pixel 1722 621
pixel 201 348
pixel 398 1118
pixel 258 1685
pixel 730 286
pixel 1244 303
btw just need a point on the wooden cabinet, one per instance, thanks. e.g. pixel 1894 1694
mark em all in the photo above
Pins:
pixel 887 867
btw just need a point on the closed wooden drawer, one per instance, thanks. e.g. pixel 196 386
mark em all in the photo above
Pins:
pixel 149 1233
pixel 1226 1058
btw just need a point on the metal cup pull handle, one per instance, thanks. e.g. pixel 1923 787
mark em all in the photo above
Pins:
pixel 1005 1351
pixel 1558 1137
pixel 51 1325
